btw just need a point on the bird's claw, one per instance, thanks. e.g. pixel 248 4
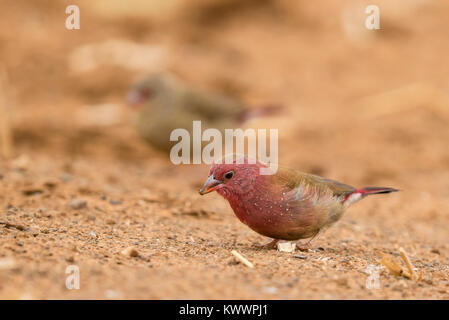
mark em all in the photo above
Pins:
pixel 304 247
pixel 269 245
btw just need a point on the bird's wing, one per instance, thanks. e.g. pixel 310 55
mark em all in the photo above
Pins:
pixel 292 179
pixel 212 106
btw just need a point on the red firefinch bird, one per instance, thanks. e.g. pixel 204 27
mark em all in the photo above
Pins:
pixel 288 205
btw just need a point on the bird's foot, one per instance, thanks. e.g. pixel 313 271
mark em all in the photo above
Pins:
pixel 269 245
pixel 304 247
pixel 308 245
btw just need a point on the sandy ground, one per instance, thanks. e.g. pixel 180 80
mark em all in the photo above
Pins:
pixel 365 108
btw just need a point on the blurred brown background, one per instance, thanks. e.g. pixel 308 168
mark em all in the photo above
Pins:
pixel 366 107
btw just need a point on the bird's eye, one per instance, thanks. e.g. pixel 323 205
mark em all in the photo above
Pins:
pixel 229 175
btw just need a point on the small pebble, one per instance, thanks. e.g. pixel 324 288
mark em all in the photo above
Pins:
pixel 130 252
pixel 270 290
pixel 7 263
pixel 286 246
pixel 300 256
pixel 77 204
pixel 33 232
pixel 112 294
pixel 110 221
pixel 65 177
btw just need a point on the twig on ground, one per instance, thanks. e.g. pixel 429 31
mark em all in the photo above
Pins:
pixel 398 270
pixel 242 259
pixel 407 262
pixel 12 225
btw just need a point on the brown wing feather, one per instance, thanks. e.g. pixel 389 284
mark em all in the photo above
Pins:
pixel 212 106
pixel 292 178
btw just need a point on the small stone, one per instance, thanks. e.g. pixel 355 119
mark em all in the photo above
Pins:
pixel 343 282
pixel 77 204
pixel 32 191
pixel 270 290
pixel 112 294
pixel 33 232
pixel 50 184
pixel 436 251
pixel 65 177
pixel 300 256
pixel 130 252
pixel 21 163
pixel 7 263
pixel 93 235
pixel 286 246
pixel 110 221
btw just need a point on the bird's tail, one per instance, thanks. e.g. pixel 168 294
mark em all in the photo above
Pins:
pixel 375 190
pixel 262 111
pixel 358 194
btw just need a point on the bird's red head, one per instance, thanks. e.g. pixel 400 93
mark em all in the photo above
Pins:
pixel 150 88
pixel 232 178
pixel 138 96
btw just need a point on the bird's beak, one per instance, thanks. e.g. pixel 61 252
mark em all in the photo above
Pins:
pixel 210 185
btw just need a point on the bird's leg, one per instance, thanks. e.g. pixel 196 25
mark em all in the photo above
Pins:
pixel 269 245
pixel 308 245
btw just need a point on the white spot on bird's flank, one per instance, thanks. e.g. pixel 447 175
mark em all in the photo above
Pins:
pixel 353 198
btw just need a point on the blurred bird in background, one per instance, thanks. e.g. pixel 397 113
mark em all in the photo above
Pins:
pixel 165 103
